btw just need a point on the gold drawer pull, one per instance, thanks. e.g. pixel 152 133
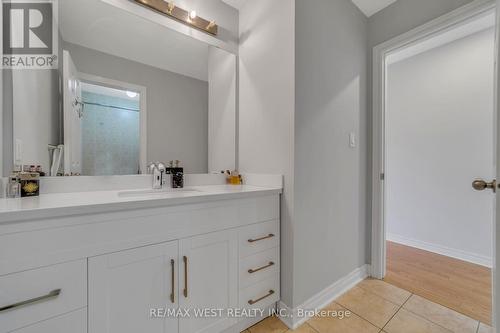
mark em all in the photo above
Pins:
pixel 252 302
pixel 172 293
pixel 185 259
pixel 251 271
pixel 261 239
pixel 52 294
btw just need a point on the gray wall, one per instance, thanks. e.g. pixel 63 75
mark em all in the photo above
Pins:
pixel 302 91
pixel 177 106
pixel 326 205
pixel 266 113
pixel 30 112
pixel 7 122
pixel 221 110
pixel 35 101
pixel 330 235
pixel 2 126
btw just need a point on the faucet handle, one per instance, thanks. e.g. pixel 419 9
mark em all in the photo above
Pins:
pixel 151 167
pixel 161 166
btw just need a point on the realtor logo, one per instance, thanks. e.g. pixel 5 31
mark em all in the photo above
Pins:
pixel 29 39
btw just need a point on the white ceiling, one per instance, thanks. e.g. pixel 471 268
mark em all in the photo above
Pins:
pixel 238 4
pixel 100 26
pixel 370 7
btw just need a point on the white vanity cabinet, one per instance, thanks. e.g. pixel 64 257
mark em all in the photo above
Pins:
pixel 121 271
pixel 29 298
pixel 131 291
pixel 125 286
pixel 210 280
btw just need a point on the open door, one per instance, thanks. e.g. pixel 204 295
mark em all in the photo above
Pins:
pixel 475 11
pixel 73 114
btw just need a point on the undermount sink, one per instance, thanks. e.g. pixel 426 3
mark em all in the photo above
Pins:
pixel 170 192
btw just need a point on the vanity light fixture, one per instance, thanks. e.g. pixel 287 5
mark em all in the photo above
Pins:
pixel 170 8
pixel 189 18
pixel 211 25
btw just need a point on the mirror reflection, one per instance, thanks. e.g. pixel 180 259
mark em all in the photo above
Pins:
pixel 127 92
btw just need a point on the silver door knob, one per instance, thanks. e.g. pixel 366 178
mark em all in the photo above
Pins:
pixel 481 185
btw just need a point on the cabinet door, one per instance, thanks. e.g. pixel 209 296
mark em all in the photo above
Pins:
pixel 208 280
pixel 125 286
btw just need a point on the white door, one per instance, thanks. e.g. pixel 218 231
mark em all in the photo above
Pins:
pixel 73 113
pixel 208 280
pixel 496 229
pixel 125 286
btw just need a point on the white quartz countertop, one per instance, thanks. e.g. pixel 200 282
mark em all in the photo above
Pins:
pixel 77 203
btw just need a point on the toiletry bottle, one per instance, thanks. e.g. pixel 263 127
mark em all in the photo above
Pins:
pixel 235 178
pixel 13 187
pixel 177 176
pixel 40 171
pixel 30 184
pixel 170 168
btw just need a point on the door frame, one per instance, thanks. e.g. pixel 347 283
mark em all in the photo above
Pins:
pixel 1 106
pixel 143 114
pixel 380 52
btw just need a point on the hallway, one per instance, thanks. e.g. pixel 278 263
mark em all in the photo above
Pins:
pixel 456 284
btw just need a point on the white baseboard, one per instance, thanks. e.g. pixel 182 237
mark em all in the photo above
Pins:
pixel 443 250
pixel 319 301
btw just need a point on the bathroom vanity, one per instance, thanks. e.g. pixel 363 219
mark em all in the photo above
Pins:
pixel 132 88
pixel 118 261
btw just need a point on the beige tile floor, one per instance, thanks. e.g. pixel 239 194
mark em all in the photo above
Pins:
pixel 379 307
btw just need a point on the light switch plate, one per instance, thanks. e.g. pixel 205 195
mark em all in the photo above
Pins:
pixel 352 140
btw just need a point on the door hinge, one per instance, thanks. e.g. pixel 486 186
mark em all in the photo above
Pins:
pixel 382 176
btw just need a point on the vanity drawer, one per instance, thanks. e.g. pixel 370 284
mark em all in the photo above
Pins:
pixel 32 296
pixel 258 237
pixel 258 267
pixel 260 295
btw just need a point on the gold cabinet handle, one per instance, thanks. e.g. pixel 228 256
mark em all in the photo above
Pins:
pixel 172 293
pixel 52 294
pixel 251 271
pixel 261 239
pixel 252 302
pixel 185 276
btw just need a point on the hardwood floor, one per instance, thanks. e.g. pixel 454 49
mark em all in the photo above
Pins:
pixel 456 284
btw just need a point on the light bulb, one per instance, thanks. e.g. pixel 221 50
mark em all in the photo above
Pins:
pixel 192 14
pixel 131 94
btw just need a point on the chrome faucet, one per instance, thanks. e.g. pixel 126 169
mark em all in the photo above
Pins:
pixel 158 170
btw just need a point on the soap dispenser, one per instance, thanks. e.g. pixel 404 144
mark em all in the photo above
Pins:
pixel 177 175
